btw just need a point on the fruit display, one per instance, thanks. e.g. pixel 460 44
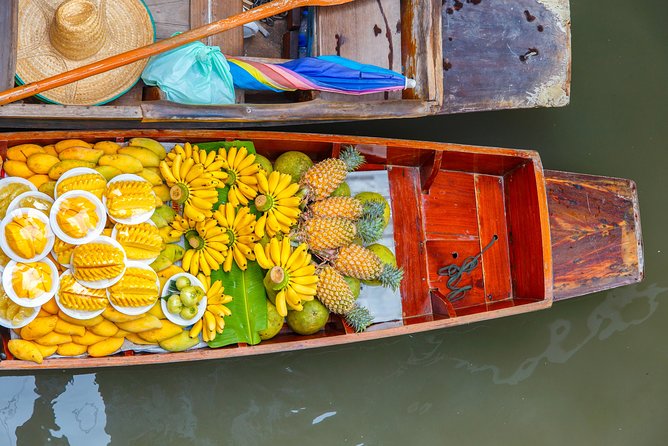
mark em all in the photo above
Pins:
pixel 198 244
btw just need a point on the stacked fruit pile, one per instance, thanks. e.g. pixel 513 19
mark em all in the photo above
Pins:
pixel 117 275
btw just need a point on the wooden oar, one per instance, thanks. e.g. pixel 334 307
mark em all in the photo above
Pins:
pixel 266 10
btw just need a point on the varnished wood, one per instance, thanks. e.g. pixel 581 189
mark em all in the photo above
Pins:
pixel 506 194
pixel 128 57
pixel 596 235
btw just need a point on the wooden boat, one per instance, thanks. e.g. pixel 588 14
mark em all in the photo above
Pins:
pixel 558 235
pixel 465 56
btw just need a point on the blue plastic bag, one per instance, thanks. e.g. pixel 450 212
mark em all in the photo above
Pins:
pixel 194 74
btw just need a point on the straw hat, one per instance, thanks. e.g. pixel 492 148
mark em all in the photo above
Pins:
pixel 60 35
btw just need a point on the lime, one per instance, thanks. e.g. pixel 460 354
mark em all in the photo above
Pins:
pixel 264 163
pixel 342 191
pixel 310 320
pixel 293 163
pixel 375 196
pixel 274 323
pixel 386 256
pixel 354 285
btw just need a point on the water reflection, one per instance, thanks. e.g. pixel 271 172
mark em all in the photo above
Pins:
pixel 607 318
pixel 16 405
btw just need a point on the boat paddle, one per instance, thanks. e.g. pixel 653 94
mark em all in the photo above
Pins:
pixel 263 11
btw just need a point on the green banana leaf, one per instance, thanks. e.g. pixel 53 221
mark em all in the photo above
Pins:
pixel 249 307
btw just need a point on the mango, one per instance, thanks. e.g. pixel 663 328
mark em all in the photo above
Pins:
pixel 89 338
pixel 39 327
pixel 168 330
pixel 150 144
pixel 106 347
pixel 48 187
pixel 45 350
pixel 40 163
pixel 135 339
pixel 64 327
pixel 105 328
pixel 179 343
pixel 161 262
pixel 51 306
pixel 155 170
pixel 81 153
pixel 150 176
pixel 146 322
pixel 71 349
pixel 60 168
pixel 162 192
pixel 121 334
pixel 51 150
pixel 125 163
pixel 156 310
pixel 66 144
pixel 43 313
pixel 25 350
pixel 84 322
pixel 145 156
pixel 38 180
pixel 108 172
pixel 112 314
pixel 23 151
pixel 108 147
pixel 54 338
pixel 18 169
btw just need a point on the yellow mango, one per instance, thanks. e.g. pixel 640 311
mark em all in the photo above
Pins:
pixel 106 347
pixel 135 339
pixel 162 192
pixel 89 338
pixel 23 151
pixel 18 169
pixel 45 350
pixel 108 172
pixel 39 327
pixel 126 163
pixel 116 316
pixel 84 322
pixel 25 350
pixel 40 163
pixel 179 343
pixel 147 322
pixel 156 310
pixel 54 338
pixel 38 180
pixel 121 333
pixel 47 187
pixel 43 313
pixel 51 306
pixel 66 144
pixel 146 157
pixel 51 150
pixel 150 144
pixel 60 168
pixel 105 328
pixel 108 147
pixel 71 349
pixel 150 176
pixel 168 330
pixel 155 170
pixel 64 327
pixel 81 153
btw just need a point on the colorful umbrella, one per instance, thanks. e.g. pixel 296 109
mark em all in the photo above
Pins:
pixel 325 73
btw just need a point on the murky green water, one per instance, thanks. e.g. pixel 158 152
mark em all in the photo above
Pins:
pixel 589 371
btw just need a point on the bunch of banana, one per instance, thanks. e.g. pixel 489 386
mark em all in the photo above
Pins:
pixel 191 186
pixel 278 202
pixel 291 277
pixel 210 160
pixel 239 225
pixel 208 247
pixel 241 169
pixel 213 321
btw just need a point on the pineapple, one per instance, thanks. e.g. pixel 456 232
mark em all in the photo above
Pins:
pixel 335 294
pixel 343 207
pixel 321 179
pixel 357 261
pixel 329 233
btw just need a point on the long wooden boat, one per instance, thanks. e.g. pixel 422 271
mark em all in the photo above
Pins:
pixel 465 56
pixel 558 235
